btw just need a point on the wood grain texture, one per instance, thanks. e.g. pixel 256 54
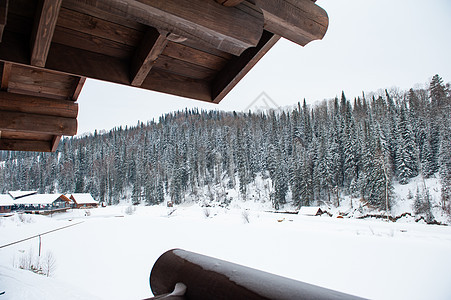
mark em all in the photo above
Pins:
pixel 78 86
pixel 300 21
pixel 84 41
pixel 147 53
pixel 41 37
pixel 6 73
pixel 40 82
pixel 98 27
pixel 174 84
pixel 16 121
pixel 194 56
pixel 36 105
pixel 55 142
pixel 25 145
pixel 3 16
pixel 226 28
pixel 236 69
pixel 84 63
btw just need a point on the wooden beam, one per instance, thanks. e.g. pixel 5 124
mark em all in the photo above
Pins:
pixel 78 88
pixel 6 73
pixel 300 21
pixel 55 142
pixel 38 105
pixel 147 53
pixel 229 29
pixel 165 82
pixel 41 37
pixel 233 72
pixel 25 145
pixel 229 2
pixel 17 121
pixel 3 15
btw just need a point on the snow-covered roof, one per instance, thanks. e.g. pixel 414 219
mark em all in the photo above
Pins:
pixel 309 210
pixel 6 200
pixel 20 194
pixel 80 198
pixel 37 199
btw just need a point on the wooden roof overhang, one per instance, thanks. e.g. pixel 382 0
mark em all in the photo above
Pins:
pixel 198 49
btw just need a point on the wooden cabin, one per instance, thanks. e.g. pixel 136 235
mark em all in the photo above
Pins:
pixel 198 49
pixel 83 200
pixel 6 204
pixel 42 203
pixel 310 211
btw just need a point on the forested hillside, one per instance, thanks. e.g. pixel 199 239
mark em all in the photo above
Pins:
pixel 340 147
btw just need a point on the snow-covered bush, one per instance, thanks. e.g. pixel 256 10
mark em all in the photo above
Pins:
pixel 130 210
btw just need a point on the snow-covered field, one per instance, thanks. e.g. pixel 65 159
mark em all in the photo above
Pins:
pixel 109 255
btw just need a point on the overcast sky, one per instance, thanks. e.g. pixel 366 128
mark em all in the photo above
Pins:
pixel 370 44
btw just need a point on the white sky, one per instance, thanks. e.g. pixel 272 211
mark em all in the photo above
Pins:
pixel 370 44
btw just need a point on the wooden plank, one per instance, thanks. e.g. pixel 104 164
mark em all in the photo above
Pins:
pixel 174 84
pixel 228 77
pixel 229 2
pixel 25 145
pixel 78 87
pixel 184 68
pixel 38 105
pixel 6 73
pixel 87 64
pixel 55 142
pixel 90 10
pixel 147 53
pixel 41 37
pixel 3 16
pixel 77 39
pixel 98 28
pixel 226 28
pixel 41 82
pixel 300 21
pixel 194 56
pixel 14 135
pixel 16 121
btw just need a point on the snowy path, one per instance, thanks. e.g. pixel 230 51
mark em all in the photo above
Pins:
pixel 110 257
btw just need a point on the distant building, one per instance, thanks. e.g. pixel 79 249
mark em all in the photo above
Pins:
pixel 42 203
pixel 6 203
pixel 310 211
pixel 83 200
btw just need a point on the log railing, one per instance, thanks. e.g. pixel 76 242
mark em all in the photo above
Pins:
pixel 180 274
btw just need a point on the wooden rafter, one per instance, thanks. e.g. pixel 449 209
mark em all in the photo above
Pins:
pixel 78 87
pixel 229 29
pixel 3 15
pixel 151 47
pixel 44 27
pixel 6 73
pixel 55 141
pixel 228 77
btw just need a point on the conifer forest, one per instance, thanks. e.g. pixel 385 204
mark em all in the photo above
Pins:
pixel 308 154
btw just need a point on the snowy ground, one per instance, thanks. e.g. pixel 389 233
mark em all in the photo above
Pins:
pixel 110 254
